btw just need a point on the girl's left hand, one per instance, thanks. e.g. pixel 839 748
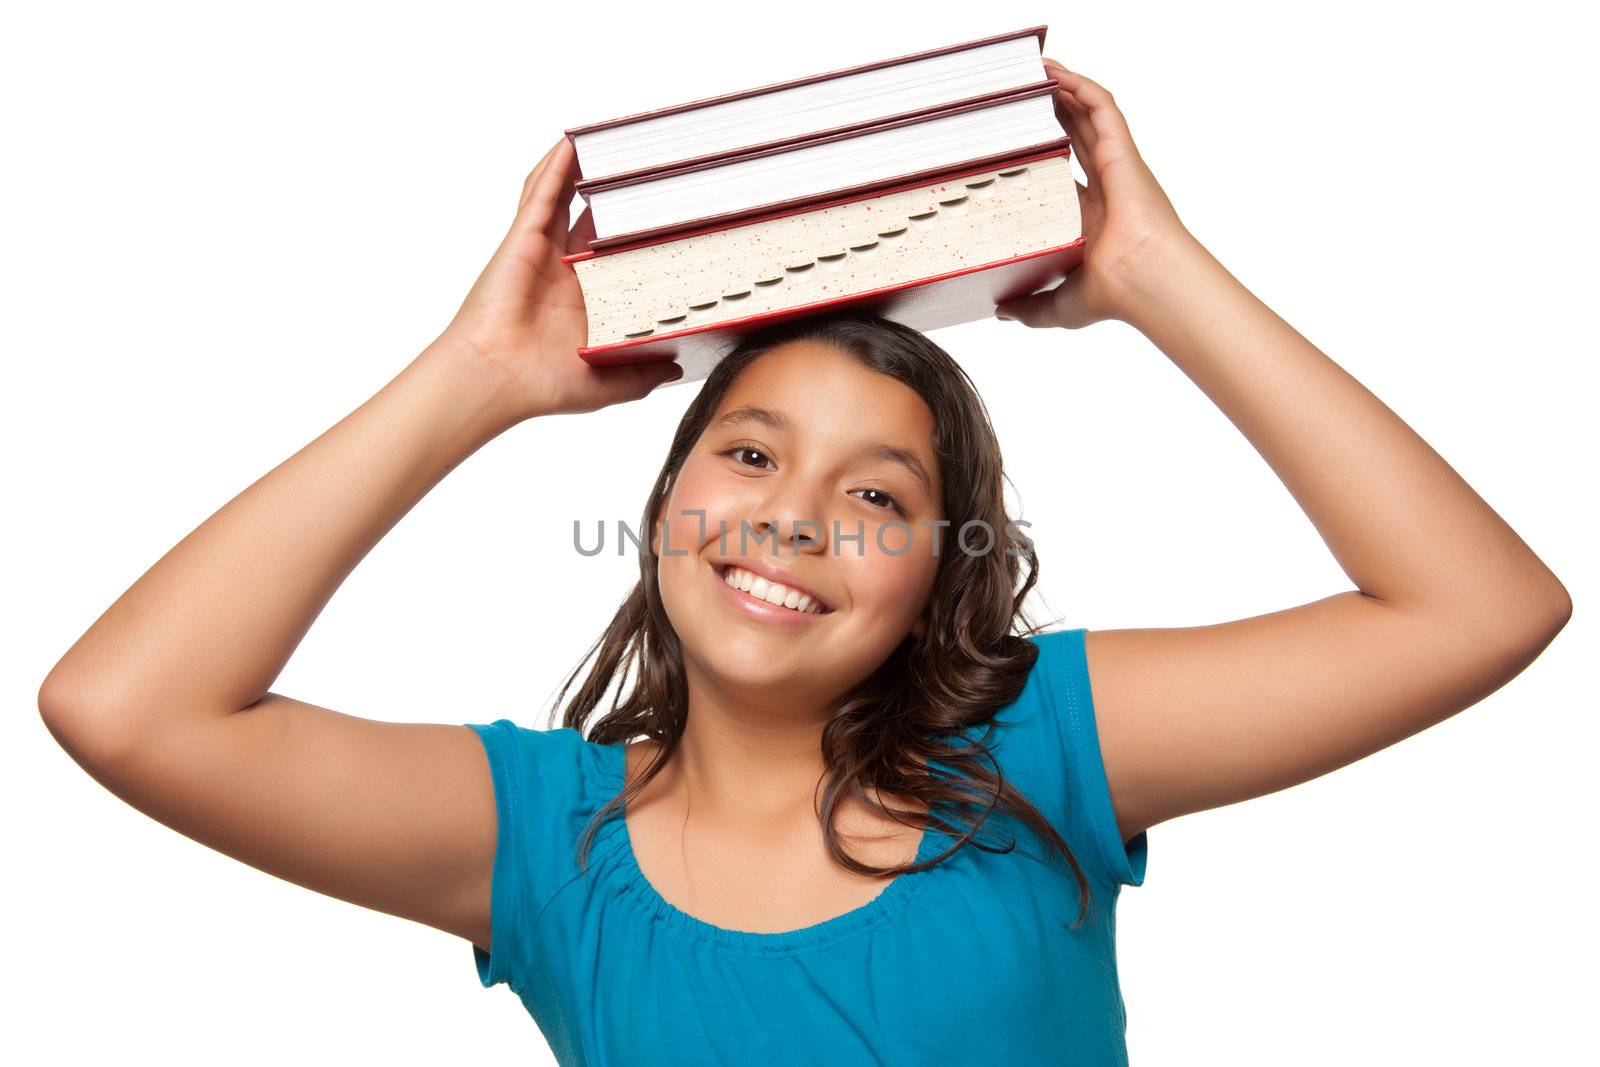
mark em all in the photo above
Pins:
pixel 525 319
pixel 1125 214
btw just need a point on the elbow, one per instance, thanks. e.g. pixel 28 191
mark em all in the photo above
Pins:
pixel 1544 616
pixel 59 706
pixel 1510 622
pixel 1560 612
pixel 1562 599
pixel 68 690
pixel 56 697
pixel 1556 606
pixel 74 717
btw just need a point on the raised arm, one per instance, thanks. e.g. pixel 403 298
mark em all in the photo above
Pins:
pixel 165 699
pixel 1449 603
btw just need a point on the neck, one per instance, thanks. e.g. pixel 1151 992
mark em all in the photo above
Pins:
pixel 750 754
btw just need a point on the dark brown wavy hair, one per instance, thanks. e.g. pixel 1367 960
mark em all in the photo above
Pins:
pixel 965 667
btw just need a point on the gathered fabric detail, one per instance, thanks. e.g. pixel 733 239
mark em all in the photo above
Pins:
pixel 616 871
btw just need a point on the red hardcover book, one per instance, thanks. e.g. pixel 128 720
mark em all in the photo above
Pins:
pixel 924 303
pixel 576 132
pixel 1036 88
pixel 1044 88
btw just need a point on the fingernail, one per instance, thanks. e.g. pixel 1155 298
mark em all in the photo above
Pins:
pixel 1002 315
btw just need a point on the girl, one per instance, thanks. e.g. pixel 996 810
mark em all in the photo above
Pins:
pixel 847 813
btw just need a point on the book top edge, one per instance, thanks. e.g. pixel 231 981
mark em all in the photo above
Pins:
pixel 794 83
pixel 589 186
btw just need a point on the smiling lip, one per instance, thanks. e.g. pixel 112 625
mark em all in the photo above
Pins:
pixel 774 574
pixel 762 609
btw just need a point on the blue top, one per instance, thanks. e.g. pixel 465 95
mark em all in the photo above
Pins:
pixel 968 962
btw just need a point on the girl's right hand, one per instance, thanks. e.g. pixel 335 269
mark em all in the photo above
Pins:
pixel 524 317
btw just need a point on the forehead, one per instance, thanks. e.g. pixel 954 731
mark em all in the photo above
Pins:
pixel 825 392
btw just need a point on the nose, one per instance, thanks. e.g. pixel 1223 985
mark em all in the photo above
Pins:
pixel 787 523
pixel 790 536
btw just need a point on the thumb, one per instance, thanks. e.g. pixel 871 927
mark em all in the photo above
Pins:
pixel 669 371
pixel 642 378
pixel 1047 308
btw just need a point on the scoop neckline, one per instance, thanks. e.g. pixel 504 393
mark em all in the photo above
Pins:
pixel 879 909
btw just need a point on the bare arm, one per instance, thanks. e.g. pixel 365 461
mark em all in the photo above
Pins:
pixel 1449 603
pixel 165 699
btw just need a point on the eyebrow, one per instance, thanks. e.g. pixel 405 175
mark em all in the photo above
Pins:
pixel 879 450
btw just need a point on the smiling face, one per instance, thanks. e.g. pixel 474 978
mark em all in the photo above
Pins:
pixel 806 445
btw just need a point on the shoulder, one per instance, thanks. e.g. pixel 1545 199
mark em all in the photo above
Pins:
pixel 507 734
pixel 547 783
pixel 1057 683
pixel 530 758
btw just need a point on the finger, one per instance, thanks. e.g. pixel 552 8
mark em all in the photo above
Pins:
pixel 543 189
pixel 1072 114
pixel 582 232
pixel 560 210
pixel 671 371
pixel 533 176
pixel 560 172
pixel 1038 309
pixel 1105 121
pixel 640 379
pixel 1075 122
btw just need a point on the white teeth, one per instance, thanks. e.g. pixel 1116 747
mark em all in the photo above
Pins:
pixel 771 592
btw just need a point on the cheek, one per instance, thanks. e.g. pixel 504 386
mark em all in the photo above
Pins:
pixel 893 581
pixel 698 503
pixel 697 507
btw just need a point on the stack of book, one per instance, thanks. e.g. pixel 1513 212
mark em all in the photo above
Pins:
pixel 925 189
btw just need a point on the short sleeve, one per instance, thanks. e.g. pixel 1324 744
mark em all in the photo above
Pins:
pixel 1064 668
pixel 1048 746
pixel 533 772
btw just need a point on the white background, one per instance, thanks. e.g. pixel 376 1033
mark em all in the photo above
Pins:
pixel 225 226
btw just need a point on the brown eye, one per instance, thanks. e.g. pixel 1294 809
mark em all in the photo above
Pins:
pixel 893 504
pixel 746 448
